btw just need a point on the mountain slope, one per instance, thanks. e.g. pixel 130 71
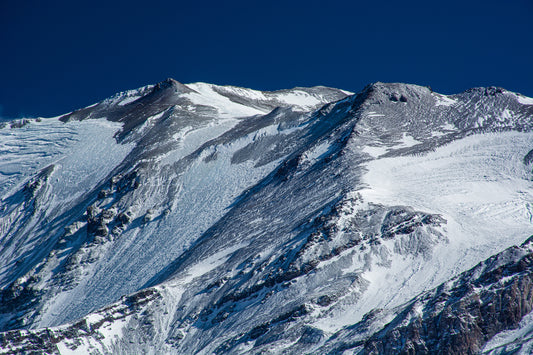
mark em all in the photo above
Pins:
pixel 242 221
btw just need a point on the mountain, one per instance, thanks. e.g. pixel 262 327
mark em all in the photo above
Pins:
pixel 215 219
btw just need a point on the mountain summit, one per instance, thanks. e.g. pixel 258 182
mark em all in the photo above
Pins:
pixel 209 219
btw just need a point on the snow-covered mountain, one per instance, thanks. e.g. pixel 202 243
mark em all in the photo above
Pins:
pixel 213 219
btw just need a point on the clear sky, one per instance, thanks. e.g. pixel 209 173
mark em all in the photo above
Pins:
pixel 56 56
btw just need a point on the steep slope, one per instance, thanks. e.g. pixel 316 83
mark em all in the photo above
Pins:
pixel 102 209
pixel 253 222
pixel 459 316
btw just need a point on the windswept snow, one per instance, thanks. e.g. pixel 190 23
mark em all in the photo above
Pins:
pixel 83 153
pixel 372 114
pixel 206 96
pixel 300 99
pixel 241 92
pixel 479 184
pixel 128 100
pixel 407 141
pixel 460 177
pixel 443 100
pixel 524 100
pixel 523 334
pixel 375 151
pixel 26 150
pixel 191 138
pixel 128 96
pixel 95 154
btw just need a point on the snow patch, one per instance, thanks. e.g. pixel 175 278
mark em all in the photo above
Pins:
pixel 248 93
pixel 375 151
pixel 300 99
pixel 316 153
pixel 524 100
pixel 479 183
pixel 407 141
pixel 372 114
pixel 206 96
pixel 127 100
pixel 189 139
pixel 524 331
pixel 443 100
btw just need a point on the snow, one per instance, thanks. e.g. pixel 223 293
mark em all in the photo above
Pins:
pixel 90 160
pixel 407 141
pixel 506 115
pixel 25 150
pixel 205 95
pixel 316 153
pixel 448 127
pixel 375 151
pixel 349 93
pixel 76 148
pixel 149 123
pixel 209 187
pixel 207 264
pixel 248 93
pixel 299 98
pixel 479 184
pixel 126 97
pixel 372 114
pixel 462 173
pixel 189 187
pixel 190 139
pixel 206 189
pixel 524 100
pixel 127 100
pixel 102 342
pixel 523 332
pixel 193 185
pixel 443 100
pixel 83 154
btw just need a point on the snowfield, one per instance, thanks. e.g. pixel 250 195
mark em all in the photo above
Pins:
pixel 82 154
pixel 482 188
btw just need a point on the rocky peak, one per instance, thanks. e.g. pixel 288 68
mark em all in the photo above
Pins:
pixel 173 85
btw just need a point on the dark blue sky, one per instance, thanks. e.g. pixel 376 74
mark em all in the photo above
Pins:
pixel 57 56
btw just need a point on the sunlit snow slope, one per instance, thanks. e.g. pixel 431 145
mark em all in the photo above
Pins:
pixel 207 219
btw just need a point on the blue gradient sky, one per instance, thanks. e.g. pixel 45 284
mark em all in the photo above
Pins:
pixel 56 56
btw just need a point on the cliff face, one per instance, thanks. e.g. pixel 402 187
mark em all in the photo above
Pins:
pixel 459 316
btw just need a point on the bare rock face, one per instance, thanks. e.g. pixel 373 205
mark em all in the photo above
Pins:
pixel 462 318
pixel 457 317
pixel 46 340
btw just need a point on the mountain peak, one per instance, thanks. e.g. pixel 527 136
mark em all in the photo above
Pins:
pixel 170 83
pixel 396 87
